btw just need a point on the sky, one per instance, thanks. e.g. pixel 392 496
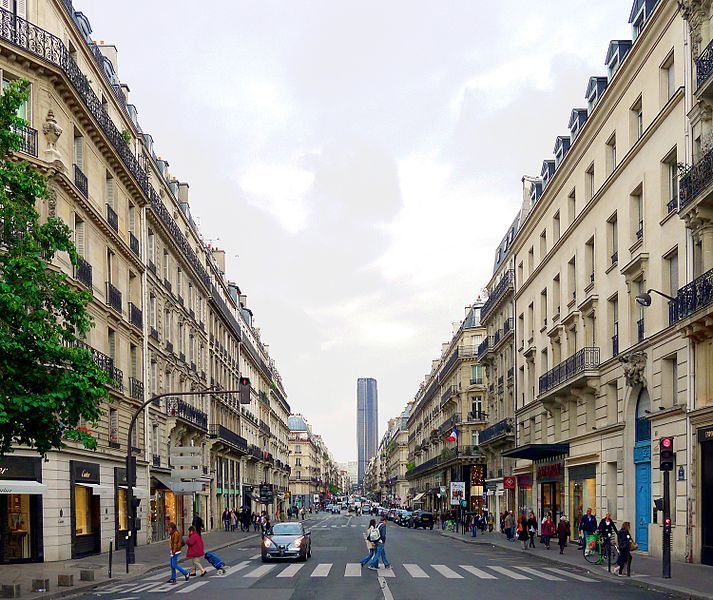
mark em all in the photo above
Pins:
pixel 358 161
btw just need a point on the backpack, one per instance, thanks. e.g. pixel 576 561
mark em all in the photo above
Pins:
pixel 374 535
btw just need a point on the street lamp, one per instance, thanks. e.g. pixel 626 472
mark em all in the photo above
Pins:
pixel 645 298
pixel 131 464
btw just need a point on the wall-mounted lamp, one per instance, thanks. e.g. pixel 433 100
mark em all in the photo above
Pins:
pixel 645 299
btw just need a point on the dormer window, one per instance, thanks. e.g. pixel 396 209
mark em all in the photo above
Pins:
pixel 640 12
pixel 576 121
pixel 561 148
pixel 548 169
pixel 618 49
pixel 594 92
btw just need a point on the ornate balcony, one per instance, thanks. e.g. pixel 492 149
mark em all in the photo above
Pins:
pixel 695 190
pixel 136 315
pixel 175 407
pixel 451 393
pixel 504 285
pixel 477 416
pixel 112 218
pixel 134 244
pixel 156 460
pixel 704 67
pixel 693 308
pixel 229 437
pixel 502 432
pixel 113 297
pixel 28 139
pixel 136 389
pixel 80 180
pixel 485 346
pixel 83 273
pixel 575 371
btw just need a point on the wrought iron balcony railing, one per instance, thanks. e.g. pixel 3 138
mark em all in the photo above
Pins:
pixel 503 285
pixel 112 218
pixel 156 460
pixel 136 315
pixel 704 64
pixel 672 205
pixel 226 435
pixel 83 272
pixel 28 139
pixel 175 407
pixel 450 392
pixel 80 180
pixel 586 359
pixel 136 388
pixel 485 345
pixel 113 297
pixel 692 297
pixel 695 179
pixel 501 428
pixel 134 244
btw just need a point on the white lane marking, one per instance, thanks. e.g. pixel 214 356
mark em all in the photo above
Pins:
pixel 446 572
pixel 352 570
pixel 537 573
pixel 290 570
pixel 260 571
pixel 144 587
pixel 321 570
pixel 572 575
pixel 189 588
pixel 334 526
pixel 477 572
pixel 415 570
pixel 154 577
pixel 352 525
pixel 255 557
pixel 387 572
pixel 385 589
pixel 508 572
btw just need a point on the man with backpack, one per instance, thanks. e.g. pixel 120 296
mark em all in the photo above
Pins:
pixel 380 552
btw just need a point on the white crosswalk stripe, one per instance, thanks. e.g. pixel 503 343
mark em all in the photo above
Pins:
pixel 447 572
pixel 352 570
pixel 477 572
pixel 189 588
pixel 233 569
pixel 321 570
pixel 416 571
pixel 508 572
pixel 255 557
pixel 260 571
pixel 572 575
pixel 537 573
pixel 290 570
pixel 156 577
pixel 387 572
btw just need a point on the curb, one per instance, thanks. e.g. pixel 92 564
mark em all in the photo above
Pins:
pixel 77 590
pixel 682 592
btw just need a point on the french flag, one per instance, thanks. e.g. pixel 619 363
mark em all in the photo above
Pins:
pixel 454 435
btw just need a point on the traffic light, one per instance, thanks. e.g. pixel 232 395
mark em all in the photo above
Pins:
pixel 666 454
pixel 667 526
pixel 244 390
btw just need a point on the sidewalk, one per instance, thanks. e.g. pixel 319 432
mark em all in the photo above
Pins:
pixel 148 558
pixel 688 580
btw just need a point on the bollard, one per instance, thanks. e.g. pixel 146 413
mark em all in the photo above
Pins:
pixel 40 585
pixel 86 575
pixel 111 550
pixel 11 591
pixel 65 580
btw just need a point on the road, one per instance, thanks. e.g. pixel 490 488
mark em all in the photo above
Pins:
pixel 425 565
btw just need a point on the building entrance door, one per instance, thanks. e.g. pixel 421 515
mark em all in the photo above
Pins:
pixel 706 500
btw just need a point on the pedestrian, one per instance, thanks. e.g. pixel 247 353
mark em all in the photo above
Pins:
pixel 548 530
pixel 626 546
pixel 372 536
pixel 532 528
pixel 522 534
pixel 563 532
pixel 380 552
pixel 587 527
pixel 507 525
pixel 175 544
pixel 491 522
pixel 226 519
pixel 255 521
pixel 302 513
pixel 195 551
pixel 233 519
pixel 197 523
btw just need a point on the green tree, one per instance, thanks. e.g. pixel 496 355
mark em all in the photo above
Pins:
pixel 47 383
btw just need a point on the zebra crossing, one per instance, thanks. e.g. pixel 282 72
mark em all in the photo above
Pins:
pixel 251 572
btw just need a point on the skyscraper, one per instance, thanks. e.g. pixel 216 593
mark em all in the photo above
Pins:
pixel 367 422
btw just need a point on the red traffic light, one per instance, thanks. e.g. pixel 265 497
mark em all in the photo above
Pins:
pixel 667 442
pixel 667 521
pixel 244 381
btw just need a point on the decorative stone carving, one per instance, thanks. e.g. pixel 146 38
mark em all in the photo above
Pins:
pixel 634 366
pixel 51 202
pixel 52 132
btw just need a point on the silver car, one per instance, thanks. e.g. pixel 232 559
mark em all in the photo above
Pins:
pixel 286 540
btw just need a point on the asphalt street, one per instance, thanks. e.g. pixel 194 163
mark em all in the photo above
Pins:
pixel 424 565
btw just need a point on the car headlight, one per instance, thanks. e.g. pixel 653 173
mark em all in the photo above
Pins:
pixel 297 543
pixel 268 543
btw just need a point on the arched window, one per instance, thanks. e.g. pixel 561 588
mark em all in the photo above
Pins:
pixel 643 408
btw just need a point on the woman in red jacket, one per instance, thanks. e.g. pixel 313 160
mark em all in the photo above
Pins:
pixel 195 551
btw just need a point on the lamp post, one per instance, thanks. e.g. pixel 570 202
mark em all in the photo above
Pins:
pixel 131 464
pixel 645 298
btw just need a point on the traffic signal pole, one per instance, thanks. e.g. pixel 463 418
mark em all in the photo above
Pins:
pixel 666 556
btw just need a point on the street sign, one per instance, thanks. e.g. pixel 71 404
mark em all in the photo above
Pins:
pixel 443 489
pixel 463 503
pixel 186 461
pixel 438 478
pixel 457 492
pixel 185 450
pixel 266 493
pixel 186 487
pixel 186 473
pixel 485 496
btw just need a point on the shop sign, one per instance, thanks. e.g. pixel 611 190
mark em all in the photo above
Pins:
pixel 20 467
pixel 549 472
pixel 248 490
pixel 266 493
pixel 524 481
pixel 477 475
pixel 457 492
pixel 120 476
pixel 491 486
pixel 84 472
pixel 509 483
pixel 705 435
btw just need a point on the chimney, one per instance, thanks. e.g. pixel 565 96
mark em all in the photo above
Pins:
pixel 219 256
pixel 243 300
pixel 183 192
pixel 110 52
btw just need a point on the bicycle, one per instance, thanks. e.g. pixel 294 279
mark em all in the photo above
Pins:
pixel 597 549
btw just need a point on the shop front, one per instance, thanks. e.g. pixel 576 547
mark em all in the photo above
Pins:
pixel 550 478
pixel 582 494
pixel 525 500
pixel 85 493
pixel 21 492
pixel 478 497
pixel 248 497
pixel 162 507
pixel 705 441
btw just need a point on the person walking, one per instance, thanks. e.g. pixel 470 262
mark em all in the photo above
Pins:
pixel 531 529
pixel 197 524
pixel 175 542
pixel 380 552
pixel 507 524
pixel 563 532
pixel 522 534
pixel 372 536
pixel 195 551
pixel 587 527
pixel 626 546
pixel 226 519
pixel 548 530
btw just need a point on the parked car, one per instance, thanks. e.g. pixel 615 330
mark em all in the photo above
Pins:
pixel 421 518
pixel 405 518
pixel 286 540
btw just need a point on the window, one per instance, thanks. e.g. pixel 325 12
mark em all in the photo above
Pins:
pixel 134 353
pixel 589 181
pixel 113 426
pixel 23 111
pixel 475 438
pixel 154 378
pixel 572 278
pixel 556 227
pixel 611 153
pixel 639 312
pixel 109 191
pixel 589 257
pixel 636 210
pixel 613 239
pixel 671 272
pixel 298 449
pixel 179 283
pixel 152 247
pixel 612 403
pixel 669 381
pixel 152 311
pixel 476 407
pixel 132 218
pixel 111 341
pixel 78 150
pixel 668 79
pixel 614 320
pixel 543 307
pixel 80 236
pixel 636 121
pixel 83 502
pixel 298 461
pixel 572 206
pixel 520 272
pixel 543 245
pixel 556 298
pixel 154 440
pixel 531 320
pixel 476 375
pixel 669 184
pixel 530 261
pixel 166 267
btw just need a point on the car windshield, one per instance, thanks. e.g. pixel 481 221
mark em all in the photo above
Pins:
pixel 287 529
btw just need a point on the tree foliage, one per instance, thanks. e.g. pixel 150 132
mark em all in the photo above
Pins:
pixel 47 382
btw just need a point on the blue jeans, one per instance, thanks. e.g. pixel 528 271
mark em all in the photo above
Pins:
pixel 175 565
pixel 368 557
pixel 380 553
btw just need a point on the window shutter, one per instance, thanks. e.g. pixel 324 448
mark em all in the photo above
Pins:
pixel 134 361
pixel 79 237
pixel 21 6
pixel 6 5
pixel 110 191
pixel 79 151
pixel 132 219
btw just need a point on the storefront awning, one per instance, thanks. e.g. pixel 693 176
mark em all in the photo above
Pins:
pixel 137 492
pixel 12 486
pixel 418 497
pixel 164 480
pixel 99 490
pixel 537 451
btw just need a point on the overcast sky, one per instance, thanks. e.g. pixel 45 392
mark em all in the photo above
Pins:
pixel 358 161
